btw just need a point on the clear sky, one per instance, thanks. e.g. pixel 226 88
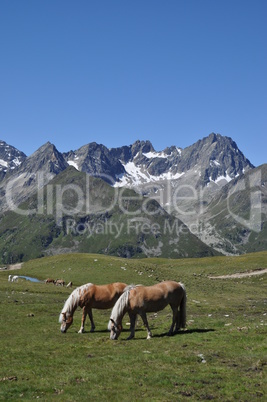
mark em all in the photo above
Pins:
pixel 114 71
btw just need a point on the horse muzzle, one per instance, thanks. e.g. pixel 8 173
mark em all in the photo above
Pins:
pixel 113 336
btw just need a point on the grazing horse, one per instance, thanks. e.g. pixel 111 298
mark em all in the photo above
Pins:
pixel 89 296
pixel 9 278
pixel 147 299
pixel 59 282
pixel 49 280
pixel 15 278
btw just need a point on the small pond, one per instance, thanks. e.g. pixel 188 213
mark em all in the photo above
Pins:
pixel 29 278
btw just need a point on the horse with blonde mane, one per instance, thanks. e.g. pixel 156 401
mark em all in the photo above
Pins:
pixel 87 297
pixel 147 299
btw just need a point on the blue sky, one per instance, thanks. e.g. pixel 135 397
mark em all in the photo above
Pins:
pixel 114 71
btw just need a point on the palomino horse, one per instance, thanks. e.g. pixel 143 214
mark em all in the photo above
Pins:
pixel 59 282
pixel 87 297
pixel 147 299
pixel 49 280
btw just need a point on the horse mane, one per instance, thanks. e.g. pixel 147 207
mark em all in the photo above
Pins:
pixel 182 285
pixel 120 304
pixel 73 300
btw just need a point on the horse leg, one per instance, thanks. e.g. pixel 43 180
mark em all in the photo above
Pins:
pixel 132 326
pixel 144 318
pixel 90 315
pixel 175 320
pixel 83 321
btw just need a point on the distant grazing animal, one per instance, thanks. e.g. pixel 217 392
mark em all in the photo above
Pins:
pixel 69 285
pixel 9 278
pixel 15 278
pixel 59 282
pixel 147 299
pixel 87 297
pixel 49 280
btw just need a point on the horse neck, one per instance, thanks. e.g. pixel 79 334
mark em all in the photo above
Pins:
pixel 120 307
pixel 72 302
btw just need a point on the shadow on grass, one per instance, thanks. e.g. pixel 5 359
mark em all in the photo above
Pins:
pixel 189 331
pixel 165 334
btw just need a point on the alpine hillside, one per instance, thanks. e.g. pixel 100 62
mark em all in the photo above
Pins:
pixel 109 221
pixel 186 183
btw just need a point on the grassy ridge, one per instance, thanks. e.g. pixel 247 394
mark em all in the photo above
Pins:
pixel 109 221
pixel 221 355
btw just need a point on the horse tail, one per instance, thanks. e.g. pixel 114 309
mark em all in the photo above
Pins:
pixel 183 308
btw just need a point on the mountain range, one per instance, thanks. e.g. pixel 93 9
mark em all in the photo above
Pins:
pixel 209 190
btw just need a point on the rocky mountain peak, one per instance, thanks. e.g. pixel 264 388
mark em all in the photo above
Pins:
pixel 10 158
pixel 212 161
pixel 141 147
pixel 46 158
pixel 217 157
pixel 96 160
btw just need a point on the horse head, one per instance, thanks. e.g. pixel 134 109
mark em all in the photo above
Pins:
pixel 66 322
pixel 115 329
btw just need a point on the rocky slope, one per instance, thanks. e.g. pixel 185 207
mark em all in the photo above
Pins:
pixel 82 214
pixel 10 158
pixel 187 183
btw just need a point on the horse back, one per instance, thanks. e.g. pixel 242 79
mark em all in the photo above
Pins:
pixel 157 297
pixel 103 296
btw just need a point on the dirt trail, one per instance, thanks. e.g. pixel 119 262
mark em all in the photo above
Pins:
pixel 237 275
pixel 14 266
pixel 241 274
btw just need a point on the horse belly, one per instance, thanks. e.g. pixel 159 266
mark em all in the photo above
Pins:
pixel 149 306
pixel 102 304
pixel 155 305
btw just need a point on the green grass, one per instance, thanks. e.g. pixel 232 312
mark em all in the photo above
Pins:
pixel 221 356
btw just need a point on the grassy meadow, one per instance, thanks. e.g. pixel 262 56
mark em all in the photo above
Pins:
pixel 222 355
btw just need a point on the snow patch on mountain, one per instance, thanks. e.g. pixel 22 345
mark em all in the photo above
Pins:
pixel 226 177
pixel 74 164
pixel 137 175
pixel 152 155
pixel 214 162
pixel 3 163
